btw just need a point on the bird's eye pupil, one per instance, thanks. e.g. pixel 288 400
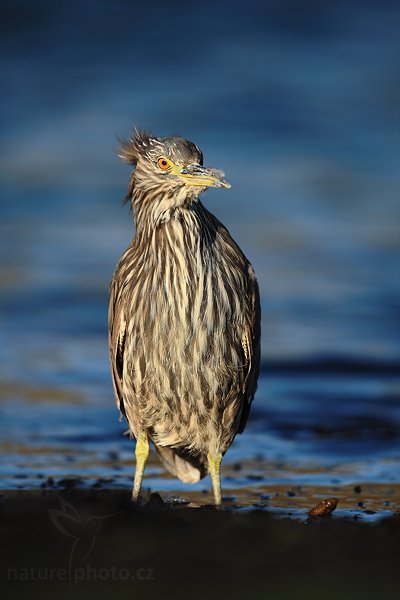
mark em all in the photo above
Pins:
pixel 163 163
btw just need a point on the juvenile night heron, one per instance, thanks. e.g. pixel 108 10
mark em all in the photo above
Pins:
pixel 184 316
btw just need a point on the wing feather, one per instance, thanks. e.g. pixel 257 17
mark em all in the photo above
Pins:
pixel 251 349
pixel 116 339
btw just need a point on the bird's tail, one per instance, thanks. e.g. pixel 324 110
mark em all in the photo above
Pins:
pixel 181 464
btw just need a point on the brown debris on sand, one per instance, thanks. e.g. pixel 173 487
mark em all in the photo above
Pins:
pixel 323 508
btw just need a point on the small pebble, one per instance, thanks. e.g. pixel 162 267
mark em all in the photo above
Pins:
pixel 324 508
pixel 155 502
pixel 176 500
pixel 69 483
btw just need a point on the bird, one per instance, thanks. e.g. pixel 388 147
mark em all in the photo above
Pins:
pixel 184 316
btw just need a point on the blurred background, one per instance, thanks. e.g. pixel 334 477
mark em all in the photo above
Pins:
pixel 297 101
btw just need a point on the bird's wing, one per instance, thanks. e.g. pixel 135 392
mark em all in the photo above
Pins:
pixel 116 339
pixel 251 348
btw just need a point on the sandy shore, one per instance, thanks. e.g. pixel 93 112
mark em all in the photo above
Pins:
pixel 93 543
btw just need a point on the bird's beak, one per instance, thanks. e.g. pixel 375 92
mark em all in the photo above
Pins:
pixel 197 175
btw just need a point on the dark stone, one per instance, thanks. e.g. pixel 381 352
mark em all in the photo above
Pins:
pixel 155 502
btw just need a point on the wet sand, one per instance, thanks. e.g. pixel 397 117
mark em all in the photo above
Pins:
pixel 94 543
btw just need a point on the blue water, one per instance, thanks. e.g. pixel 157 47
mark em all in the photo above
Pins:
pixel 297 102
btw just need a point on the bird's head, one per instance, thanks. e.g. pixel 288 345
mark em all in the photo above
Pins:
pixel 168 168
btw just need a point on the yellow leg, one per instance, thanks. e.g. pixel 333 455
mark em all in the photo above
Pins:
pixel 141 453
pixel 214 463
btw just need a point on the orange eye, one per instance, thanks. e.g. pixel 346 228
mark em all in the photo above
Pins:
pixel 163 163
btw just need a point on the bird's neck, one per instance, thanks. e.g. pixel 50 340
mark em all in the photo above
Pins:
pixel 161 212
